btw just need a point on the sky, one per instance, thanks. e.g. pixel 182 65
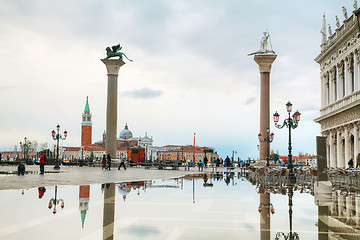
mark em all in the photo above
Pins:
pixel 191 71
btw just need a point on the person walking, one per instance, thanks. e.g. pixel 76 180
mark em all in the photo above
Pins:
pixel 122 162
pixel 227 161
pixel 42 163
pixel 103 161
pixel 109 160
pixel 205 161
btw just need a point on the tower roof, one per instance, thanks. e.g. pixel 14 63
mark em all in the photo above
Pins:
pixel 87 108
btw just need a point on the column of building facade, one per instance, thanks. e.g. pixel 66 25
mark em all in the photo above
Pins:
pixel 332 152
pixel 356 142
pixel 326 89
pixel 331 87
pixel 356 69
pixel 350 207
pixel 347 146
pixel 338 146
pixel 342 205
pixel 322 86
pixel 341 74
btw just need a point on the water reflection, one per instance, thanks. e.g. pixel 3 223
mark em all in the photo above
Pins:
pixel 227 206
pixel 55 201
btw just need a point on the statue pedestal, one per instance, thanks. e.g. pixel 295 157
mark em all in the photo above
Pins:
pixel 264 60
pixel 113 67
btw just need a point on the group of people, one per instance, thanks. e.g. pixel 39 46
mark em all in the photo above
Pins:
pixel 106 162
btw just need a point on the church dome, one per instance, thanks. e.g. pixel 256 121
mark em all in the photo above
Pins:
pixel 126 133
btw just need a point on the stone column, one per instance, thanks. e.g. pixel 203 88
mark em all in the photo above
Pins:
pixel 332 152
pixel 341 84
pixel 356 70
pixel 356 142
pixel 322 85
pixel 331 87
pixel 347 147
pixel 265 216
pixel 113 67
pixel 327 102
pixel 338 146
pixel 264 61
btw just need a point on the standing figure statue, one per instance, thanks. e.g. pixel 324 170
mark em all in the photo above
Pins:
pixel 263 44
pixel 329 28
pixel 345 12
pixel 355 5
pixel 115 52
pixel 337 22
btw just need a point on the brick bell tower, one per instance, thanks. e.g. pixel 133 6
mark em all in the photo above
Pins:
pixel 86 126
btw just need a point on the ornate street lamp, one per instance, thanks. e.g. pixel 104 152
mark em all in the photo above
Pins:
pixel 268 139
pixel 55 201
pixel 25 147
pixel 291 124
pixel 57 136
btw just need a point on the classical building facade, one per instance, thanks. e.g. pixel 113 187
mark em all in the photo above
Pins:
pixel 340 90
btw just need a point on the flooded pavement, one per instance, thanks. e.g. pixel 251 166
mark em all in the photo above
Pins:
pixel 196 206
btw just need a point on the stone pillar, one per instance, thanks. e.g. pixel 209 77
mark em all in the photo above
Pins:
pixel 347 147
pixel 322 85
pixel 338 147
pixel 356 70
pixel 331 88
pixel 332 154
pixel 341 84
pixel 113 67
pixel 356 142
pixel 264 61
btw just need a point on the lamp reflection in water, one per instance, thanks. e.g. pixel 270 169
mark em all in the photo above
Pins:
pixel 109 211
pixel 55 201
pixel 291 235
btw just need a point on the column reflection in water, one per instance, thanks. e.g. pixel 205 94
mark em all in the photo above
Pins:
pixel 264 215
pixel 323 222
pixel 109 211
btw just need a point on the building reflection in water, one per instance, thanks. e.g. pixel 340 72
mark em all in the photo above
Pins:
pixel 84 198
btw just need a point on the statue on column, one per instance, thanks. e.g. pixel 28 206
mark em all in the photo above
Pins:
pixel 115 52
pixel 355 5
pixel 337 22
pixel 345 12
pixel 263 43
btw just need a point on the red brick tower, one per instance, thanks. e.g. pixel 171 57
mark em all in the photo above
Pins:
pixel 86 126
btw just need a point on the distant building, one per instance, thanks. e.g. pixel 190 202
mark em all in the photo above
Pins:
pixel 301 160
pixel 177 152
pixel 340 91
pixel 96 150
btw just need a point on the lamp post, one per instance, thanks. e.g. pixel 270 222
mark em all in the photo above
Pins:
pixel 55 201
pixel 57 136
pixel 268 139
pixel 291 124
pixel 25 147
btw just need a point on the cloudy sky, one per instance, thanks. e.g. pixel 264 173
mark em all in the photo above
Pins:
pixel 191 72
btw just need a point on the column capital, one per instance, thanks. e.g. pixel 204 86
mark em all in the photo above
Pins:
pixel 265 61
pixel 113 65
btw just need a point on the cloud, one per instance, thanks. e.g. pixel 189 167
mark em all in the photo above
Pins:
pixel 250 100
pixel 144 93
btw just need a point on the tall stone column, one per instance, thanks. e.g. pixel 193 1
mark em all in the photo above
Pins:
pixel 113 67
pixel 264 60
pixel 265 216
